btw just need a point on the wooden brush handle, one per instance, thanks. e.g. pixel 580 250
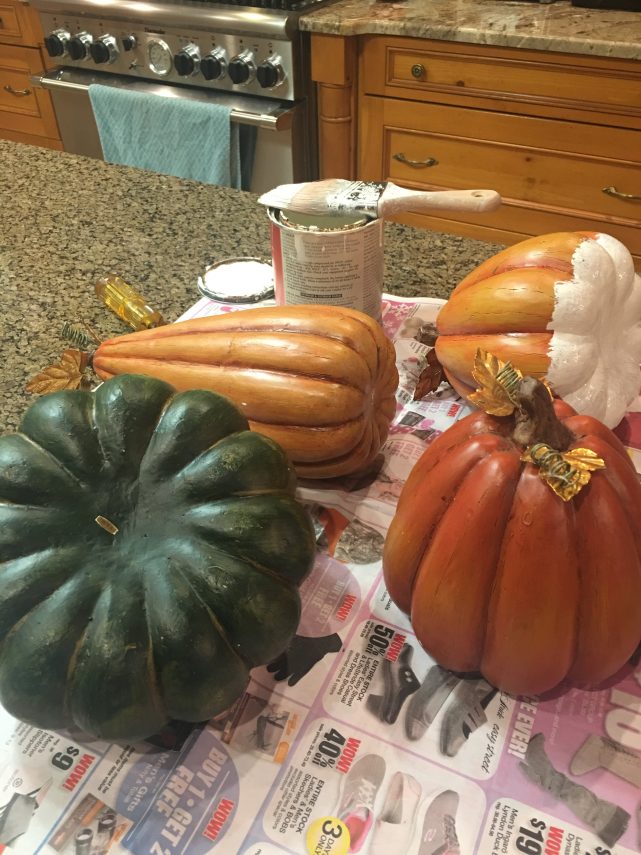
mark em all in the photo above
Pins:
pixel 396 200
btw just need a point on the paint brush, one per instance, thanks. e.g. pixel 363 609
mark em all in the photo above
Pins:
pixel 372 199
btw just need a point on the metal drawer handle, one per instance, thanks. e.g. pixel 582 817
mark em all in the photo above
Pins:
pixel 19 92
pixel 612 191
pixel 418 70
pixel 417 164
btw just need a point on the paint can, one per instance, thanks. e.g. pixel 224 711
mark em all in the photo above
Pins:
pixel 329 260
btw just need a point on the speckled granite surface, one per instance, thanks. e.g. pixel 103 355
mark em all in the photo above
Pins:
pixel 556 26
pixel 67 220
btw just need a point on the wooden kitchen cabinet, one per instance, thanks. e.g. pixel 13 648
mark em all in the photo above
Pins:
pixel 559 136
pixel 26 112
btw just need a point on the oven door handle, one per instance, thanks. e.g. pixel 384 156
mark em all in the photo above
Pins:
pixel 245 110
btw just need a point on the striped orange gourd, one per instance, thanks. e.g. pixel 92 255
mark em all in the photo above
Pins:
pixel 319 380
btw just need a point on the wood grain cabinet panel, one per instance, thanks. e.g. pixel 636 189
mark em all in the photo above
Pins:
pixel 26 112
pixel 549 131
pixel 18 24
pixel 10 29
pixel 513 79
pixel 545 166
pixel 23 107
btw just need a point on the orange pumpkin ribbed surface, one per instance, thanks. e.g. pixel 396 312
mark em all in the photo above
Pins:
pixel 501 575
pixel 319 380
pixel 565 306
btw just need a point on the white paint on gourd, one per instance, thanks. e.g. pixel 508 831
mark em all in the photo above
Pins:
pixel 595 350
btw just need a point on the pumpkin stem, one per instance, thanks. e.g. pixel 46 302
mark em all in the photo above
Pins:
pixel 535 420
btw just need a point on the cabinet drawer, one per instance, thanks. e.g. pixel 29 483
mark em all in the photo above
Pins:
pixel 23 107
pixel 18 24
pixel 28 139
pixel 416 69
pixel 9 23
pixel 551 167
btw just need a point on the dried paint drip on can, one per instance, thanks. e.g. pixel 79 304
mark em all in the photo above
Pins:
pixel 333 260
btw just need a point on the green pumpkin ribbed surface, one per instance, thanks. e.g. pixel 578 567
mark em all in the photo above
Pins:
pixel 119 633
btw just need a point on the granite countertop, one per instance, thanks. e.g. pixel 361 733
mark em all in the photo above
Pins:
pixel 556 26
pixel 67 220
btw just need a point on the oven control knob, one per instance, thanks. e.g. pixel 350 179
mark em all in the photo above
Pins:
pixel 241 68
pixel 129 42
pixel 187 61
pixel 56 43
pixel 78 46
pixel 213 66
pixel 104 49
pixel 270 73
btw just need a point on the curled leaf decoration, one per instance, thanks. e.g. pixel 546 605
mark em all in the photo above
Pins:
pixel 427 334
pixel 70 373
pixel 567 472
pixel 498 384
pixel 430 377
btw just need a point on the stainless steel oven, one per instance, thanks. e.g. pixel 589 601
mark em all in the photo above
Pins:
pixel 251 57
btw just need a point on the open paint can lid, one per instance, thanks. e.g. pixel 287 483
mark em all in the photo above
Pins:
pixel 237 280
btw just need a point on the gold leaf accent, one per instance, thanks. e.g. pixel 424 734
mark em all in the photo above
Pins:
pixel 69 373
pixel 565 472
pixel 497 383
pixel 584 458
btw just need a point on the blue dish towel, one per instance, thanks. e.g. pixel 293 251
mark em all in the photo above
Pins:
pixel 173 136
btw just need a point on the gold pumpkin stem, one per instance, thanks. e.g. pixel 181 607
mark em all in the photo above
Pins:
pixel 545 440
pixel 504 391
pixel 103 522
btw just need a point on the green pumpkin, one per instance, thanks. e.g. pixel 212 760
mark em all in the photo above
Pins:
pixel 118 633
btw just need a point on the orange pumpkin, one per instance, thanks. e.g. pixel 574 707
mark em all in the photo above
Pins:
pixel 319 380
pixel 565 306
pixel 499 574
